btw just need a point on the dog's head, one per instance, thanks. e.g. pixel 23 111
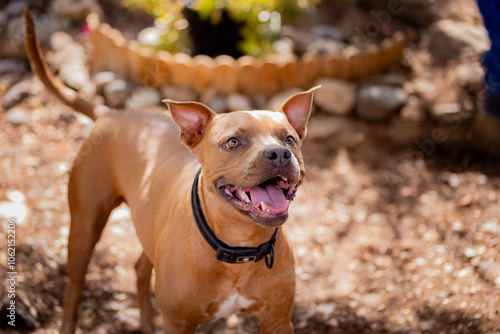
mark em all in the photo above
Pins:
pixel 251 159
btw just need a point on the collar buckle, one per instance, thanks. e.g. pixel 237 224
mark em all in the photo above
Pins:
pixel 245 259
pixel 245 254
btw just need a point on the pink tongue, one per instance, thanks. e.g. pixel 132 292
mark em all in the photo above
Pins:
pixel 271 195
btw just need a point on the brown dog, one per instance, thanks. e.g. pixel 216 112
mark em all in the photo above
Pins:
pixel 203 233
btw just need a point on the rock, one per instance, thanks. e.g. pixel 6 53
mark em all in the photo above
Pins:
pixel 276 101
pixel 470 75
pixel 260 101
pixel 323 127
pixel 325 309
pixel 16 116
pixel 348 133
pixel 214 100
pixel 466 200
pixel 299 38
pixel 121 212
pixel 335 96
pixel 12 65
pixel 4 18
pixel 323 46
pixel 47 25
pixel 143 97
pixel 17 93
pixel 380 102
pixel 327 31
pixel 76 10
pixel 283 46
pixel 59 41
pixel 9 209
pixel 176 93
pixel 449 113
pixel 150 36
pixel 237 101
pixel 74 75
pixel 218 104
pixel 490 271
pixel 12 43
pixel 491 226
pixel 391 79
pixel 116 93
pixel 208 95
pixel 16 196
pixel 15 8
pixel 7 80
pixel 70 60
pixel 102 79
pixel 441 109
pixel 372 300
pixel 457 40
pixel 89 93
pixel 427 325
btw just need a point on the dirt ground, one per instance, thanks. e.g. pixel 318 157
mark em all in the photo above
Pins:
pixel 386 239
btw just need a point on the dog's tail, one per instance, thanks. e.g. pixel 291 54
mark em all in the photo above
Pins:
pixel 40 67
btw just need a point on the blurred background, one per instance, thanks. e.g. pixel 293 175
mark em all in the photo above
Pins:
pixel 396 229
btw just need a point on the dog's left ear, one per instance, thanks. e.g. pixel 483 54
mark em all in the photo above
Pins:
pixel 191 118
pixel 297 109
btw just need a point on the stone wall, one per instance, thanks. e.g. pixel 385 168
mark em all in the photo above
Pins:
pixel 245 75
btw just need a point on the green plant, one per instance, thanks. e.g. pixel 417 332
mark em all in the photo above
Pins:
pixel 262 20
pixel 169 19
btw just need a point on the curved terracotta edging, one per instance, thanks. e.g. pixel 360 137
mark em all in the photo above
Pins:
pixel 246 75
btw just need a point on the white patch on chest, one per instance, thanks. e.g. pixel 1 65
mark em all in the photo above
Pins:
pixel 233 304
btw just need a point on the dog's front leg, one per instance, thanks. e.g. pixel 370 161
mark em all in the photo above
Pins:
pixel 272 325
pixel 276 314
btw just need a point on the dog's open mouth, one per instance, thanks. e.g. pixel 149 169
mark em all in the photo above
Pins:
pixel 270 199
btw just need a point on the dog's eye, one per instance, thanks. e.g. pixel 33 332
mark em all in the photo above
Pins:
pixel 290 141
pixel 232 143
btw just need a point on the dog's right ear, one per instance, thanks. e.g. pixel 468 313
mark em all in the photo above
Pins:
pixel 191 118
pixel 297 109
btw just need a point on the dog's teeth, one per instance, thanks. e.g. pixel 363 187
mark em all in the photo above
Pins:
pixel 243 195
pixel 264 207
pixel 284 178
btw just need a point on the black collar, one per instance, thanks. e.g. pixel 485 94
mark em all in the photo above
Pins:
pixel 224 252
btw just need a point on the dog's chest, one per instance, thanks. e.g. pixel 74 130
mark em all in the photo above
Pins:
pixel 233 304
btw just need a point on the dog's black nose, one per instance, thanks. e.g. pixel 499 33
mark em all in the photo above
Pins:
pixel 278 156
